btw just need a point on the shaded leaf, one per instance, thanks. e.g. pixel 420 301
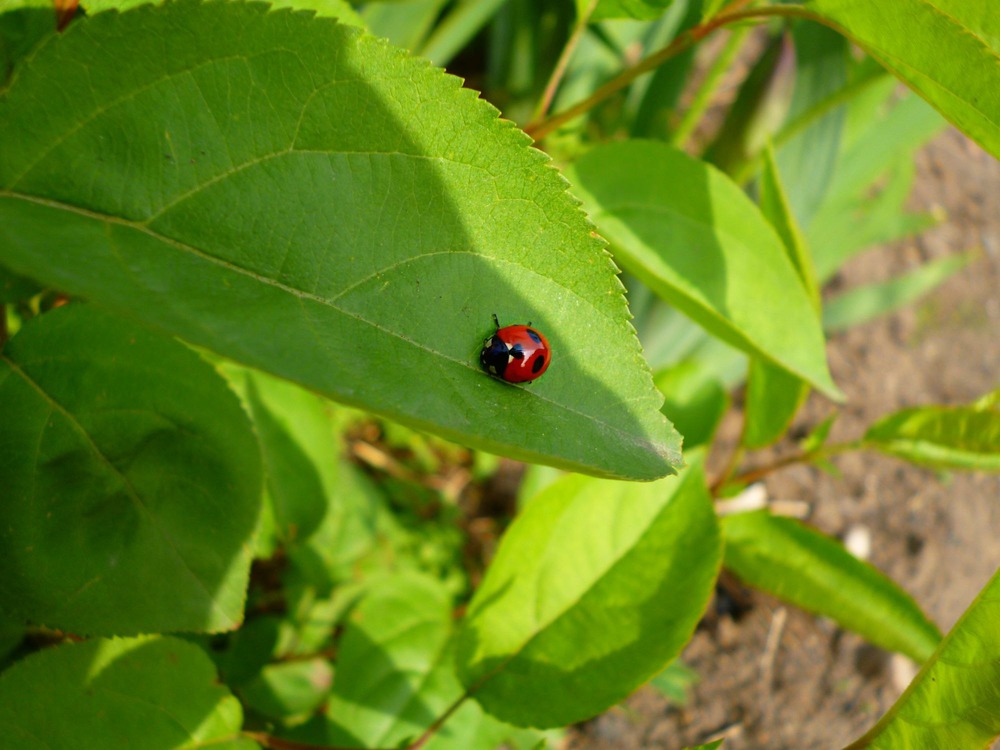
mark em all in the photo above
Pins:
pixel 798 564
pixel 695 401
pixel 773 395
pixel 694 237
pixel 594 588
pixel 952 701
pixel 314 203
pixel 945 50
pixel 290 689
pixel 119 694
pixel 127 466
pixel 674 681
pixel 947 437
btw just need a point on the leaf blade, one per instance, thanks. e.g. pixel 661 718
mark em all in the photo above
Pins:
pixel 560 606
pixel 324 217
pixel 800 565
pixel 697 240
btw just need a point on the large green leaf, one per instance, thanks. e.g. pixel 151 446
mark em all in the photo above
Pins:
pixel 642 9
pixel 285 191
pixel 948 51
pixel 800 565
pixel 691 234
pixel 947 437
pixel 952 702
pixel 131 480
pixel 594 589
pixel 122 694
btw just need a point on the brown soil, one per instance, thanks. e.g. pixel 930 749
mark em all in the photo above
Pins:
pixel 778 677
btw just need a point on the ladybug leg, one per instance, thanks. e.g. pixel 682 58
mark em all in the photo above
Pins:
pixel 496 322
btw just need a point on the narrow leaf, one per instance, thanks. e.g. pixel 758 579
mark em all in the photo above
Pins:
pixel 947 437
pixel 952 702
pixel 798 564
pixel 594 588
pixel 773 395
pixel 314 203
pixel 127 466
pixel 871 301
pixel 694 237
pixel 948 51
pixel 119 695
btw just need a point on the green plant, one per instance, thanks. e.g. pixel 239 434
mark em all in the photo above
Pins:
pixel 226 192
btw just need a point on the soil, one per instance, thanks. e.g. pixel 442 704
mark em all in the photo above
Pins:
pixel 777 677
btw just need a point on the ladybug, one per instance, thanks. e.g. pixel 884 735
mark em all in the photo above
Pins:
pixel 517 354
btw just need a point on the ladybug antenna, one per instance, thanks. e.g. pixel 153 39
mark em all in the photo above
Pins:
pixel 496 322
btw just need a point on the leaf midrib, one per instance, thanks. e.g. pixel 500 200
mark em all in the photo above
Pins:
pixel 626 437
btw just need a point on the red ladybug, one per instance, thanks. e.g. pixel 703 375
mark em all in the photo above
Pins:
pixel 517 354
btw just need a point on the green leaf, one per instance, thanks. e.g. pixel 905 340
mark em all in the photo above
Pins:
pixel 817 438
pixel 314 203
pixel 871 301
pixel 15 288
pixel 946 437
pixel 773 395
pixel 808 158
pixel 594 588
pixel 645 10
pixel 119 694
pixel 675 681
pixel 290 689
pixel 127 466
pixel 404 24
pixel 340 9
pixel 945 50
pixel 952 701
pixel 692 235
pixel 707 746
pixel 695 401
pixel 798 564
pixel 23 23
pixel 395 673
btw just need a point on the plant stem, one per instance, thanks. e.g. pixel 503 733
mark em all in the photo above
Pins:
pixel 754 475
pixel 731 14
pixel 438 723
pixel 563 62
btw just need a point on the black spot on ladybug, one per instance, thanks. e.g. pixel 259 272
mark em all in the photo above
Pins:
pixel 534 335
pixel 539 364
pixel 517 352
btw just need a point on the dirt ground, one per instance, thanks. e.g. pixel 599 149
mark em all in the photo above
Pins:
pixel 777 677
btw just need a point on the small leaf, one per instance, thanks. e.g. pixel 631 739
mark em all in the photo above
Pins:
pixel 128 467
pixel 309 201
pixel 675 681
pixel 952 701
pixel 393 676
pixel 119 695
pixel 798 564
pixel 816 439
pixel 945 437
pixel 290 689
pixel 594 588
pixel 945 50
pixel 864 303
pixel 694 237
